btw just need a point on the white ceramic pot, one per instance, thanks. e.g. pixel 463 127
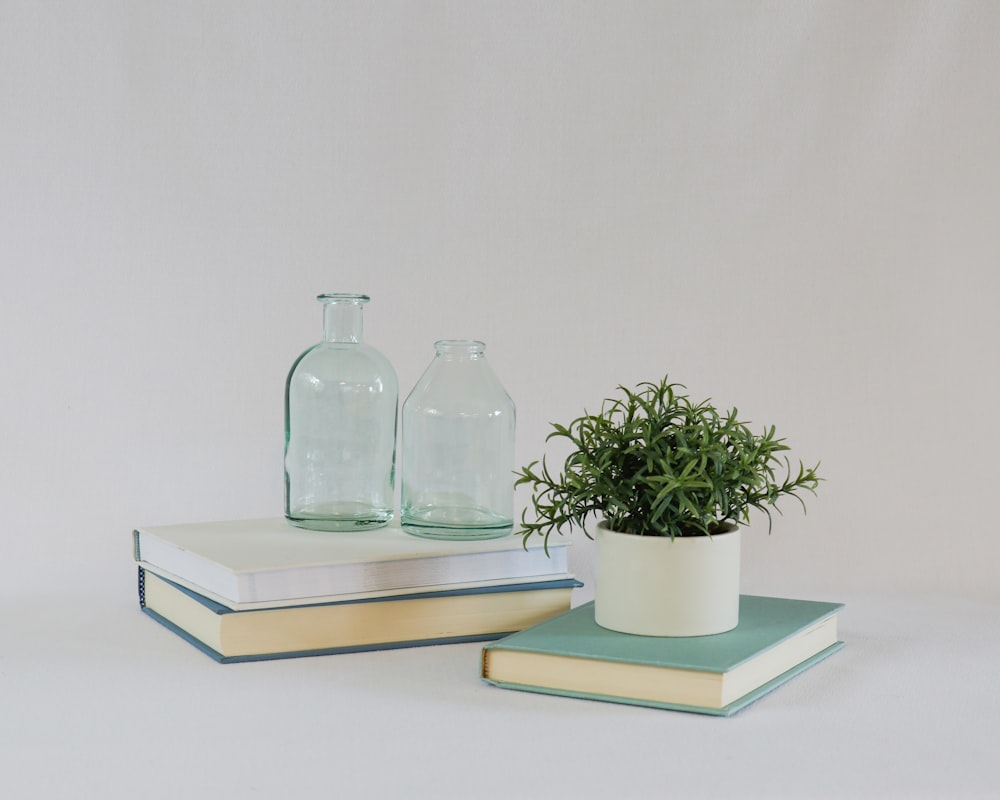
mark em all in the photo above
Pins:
pixel 657 586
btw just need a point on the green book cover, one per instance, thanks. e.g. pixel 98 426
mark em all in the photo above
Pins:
pixel 571 655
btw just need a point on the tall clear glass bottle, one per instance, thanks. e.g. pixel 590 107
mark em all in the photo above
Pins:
pixel 341 402
pixel 457 467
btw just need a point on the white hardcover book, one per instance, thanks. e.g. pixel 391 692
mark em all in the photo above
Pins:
pixel 261 562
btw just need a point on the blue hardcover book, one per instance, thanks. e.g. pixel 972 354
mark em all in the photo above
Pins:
pixel 442 617
pixel 571 655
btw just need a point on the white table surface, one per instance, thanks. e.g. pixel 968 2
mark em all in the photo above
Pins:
pixel 98 700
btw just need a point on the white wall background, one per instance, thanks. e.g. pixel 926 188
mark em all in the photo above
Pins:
pixel 790 207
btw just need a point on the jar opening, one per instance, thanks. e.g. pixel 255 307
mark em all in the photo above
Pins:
pixel 459 346
pixel 343 297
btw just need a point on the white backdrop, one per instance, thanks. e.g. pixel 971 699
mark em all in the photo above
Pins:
pixel 789 207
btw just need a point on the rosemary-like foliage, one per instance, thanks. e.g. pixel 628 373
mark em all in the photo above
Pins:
pixel 654 463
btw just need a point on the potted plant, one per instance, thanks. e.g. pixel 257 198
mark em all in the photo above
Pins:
pixel 668 482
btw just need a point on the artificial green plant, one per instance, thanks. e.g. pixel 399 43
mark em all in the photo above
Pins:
pixel 655 463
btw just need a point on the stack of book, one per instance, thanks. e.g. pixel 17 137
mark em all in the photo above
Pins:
pixel 261 589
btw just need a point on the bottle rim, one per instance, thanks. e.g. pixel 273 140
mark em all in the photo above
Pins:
pixel 343 297
pixel 459 346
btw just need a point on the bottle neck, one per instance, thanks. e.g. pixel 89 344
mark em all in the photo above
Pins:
pixel 343 317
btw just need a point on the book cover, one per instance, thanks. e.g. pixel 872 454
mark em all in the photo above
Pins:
pixel 442 617
pixel 264 562
pixel 571 655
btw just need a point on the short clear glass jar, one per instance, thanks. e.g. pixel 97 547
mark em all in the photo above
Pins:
pixel 341 404
pixel 457 466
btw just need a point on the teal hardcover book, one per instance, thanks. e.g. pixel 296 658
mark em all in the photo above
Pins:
pixel 457 615
pixel 571 655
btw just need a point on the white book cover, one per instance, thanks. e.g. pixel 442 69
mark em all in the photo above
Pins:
pixel 268 561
